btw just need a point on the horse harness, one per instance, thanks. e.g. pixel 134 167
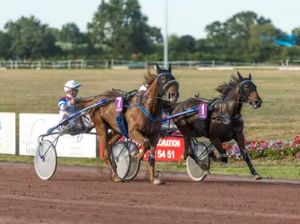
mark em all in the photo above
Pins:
pixel 227 119
pixel 244 97
pixel 165 80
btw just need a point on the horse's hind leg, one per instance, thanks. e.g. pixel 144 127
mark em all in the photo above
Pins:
pixel 217 143
pixel 113 139
pixel 187 147
pixel 241 142
pixel 101 128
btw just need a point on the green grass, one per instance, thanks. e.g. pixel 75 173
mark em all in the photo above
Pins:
pixel 61 161
pixel 267 169
pixel 271 169
pixel 37 91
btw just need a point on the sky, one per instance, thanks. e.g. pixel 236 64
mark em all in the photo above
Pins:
pixel 185 17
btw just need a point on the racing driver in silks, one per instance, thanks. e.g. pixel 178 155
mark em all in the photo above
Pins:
pixel 66 106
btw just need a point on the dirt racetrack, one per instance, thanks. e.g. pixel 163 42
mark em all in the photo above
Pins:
pixel 86 195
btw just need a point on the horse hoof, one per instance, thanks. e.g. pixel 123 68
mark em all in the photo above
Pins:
pixel 157 181
pixel 115 178
pixel 257 177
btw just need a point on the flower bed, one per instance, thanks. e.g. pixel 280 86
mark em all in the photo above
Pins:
pixel 267 149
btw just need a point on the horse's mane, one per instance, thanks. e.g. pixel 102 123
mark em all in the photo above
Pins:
pixel 225 88
pixel 149 77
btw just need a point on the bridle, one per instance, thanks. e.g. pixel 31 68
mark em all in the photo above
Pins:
pixel 243 95
pixel 165 80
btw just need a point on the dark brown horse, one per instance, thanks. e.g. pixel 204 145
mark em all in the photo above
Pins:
pixel 141 116
pixel 224 121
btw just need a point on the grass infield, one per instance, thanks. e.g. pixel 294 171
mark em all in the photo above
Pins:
pixel 37 91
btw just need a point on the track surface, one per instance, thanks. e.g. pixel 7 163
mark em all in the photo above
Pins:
pixel 86 195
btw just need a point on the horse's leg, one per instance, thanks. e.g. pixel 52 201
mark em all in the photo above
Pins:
pixel 217 143
pixel 241 143
pixel 188 151
pixel 135 135
pixel 145 143
pixel 102 129
pixel 113 138
pixel 187 147
pixel 153 178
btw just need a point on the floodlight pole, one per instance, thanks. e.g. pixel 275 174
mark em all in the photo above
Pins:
pixel 166 36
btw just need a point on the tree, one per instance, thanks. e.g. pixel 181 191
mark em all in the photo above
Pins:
pixel 181 47
pixel 120 29
pixel 55 32
pixel 5 42
pixel 296 31
pixel 229 40
pixel 30 39
pixel 261 42
pixel 70 33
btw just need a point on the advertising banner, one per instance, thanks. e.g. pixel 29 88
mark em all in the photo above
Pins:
pixel 8 133
pixel 169 149
pixel 34 125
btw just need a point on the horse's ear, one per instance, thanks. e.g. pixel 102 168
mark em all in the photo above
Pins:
pixel 170 69
pixel 250 76
pixel 158 69
pixel 240 76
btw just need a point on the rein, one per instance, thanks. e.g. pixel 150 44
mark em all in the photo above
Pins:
pixel 106 95
pixel 164 80
pixel 193 110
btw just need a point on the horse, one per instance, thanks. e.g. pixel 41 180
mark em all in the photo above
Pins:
pixel 140 120
pixel 224 119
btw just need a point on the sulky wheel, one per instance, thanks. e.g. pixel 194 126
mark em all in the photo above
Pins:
pixel 198 168
pixel 45 160
pixel 120 156
pixel 135 162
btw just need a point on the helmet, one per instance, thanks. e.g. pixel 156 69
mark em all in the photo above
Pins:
pixel 71 84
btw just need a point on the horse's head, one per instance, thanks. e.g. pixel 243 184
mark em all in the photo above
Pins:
pixel 168 87
pixel 248 91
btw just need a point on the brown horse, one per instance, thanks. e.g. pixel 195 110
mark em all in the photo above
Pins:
pixel 224 121
pixel 141 114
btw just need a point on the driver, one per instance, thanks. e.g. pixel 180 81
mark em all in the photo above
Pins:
pixel 66 107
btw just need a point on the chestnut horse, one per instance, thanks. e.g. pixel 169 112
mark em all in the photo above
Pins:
pixel 224 121
pixel 141 115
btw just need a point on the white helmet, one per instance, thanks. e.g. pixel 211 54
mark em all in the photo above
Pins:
pixel 71 84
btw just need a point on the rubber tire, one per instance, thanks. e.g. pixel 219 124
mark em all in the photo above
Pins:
pixel 46 167
pixel 194 170
pixel 123 162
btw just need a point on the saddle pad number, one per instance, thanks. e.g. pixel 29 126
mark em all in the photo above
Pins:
pixel 202 111
pixel 119 104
